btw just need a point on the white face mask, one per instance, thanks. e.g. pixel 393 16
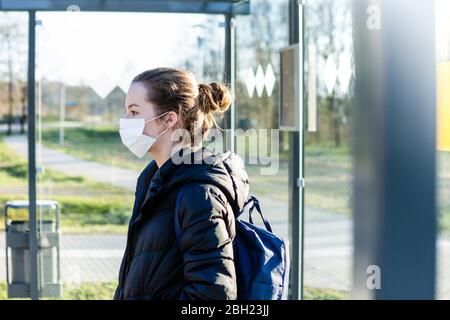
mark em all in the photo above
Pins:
pixel 133 137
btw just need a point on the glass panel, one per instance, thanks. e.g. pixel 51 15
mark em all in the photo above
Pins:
pixel 328 164
pixel 260 36
pixel 80 97
pixel 443 146
pixel 13 140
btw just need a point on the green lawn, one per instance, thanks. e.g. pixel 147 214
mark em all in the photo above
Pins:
pixel 310 293
pixel 86 206
pixel 328 180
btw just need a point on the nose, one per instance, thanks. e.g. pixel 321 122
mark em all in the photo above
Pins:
pixel 127 115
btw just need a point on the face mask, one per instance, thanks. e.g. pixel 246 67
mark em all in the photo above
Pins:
pixel 133 137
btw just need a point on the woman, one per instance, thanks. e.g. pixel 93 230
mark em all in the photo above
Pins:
pixel 184 179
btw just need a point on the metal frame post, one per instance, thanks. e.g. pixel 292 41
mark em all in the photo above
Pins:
pixel 296 159
pixel 230 77
pixel 33 236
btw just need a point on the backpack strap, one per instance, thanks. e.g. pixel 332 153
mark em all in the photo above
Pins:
pixel 254 203
pixel 249 206
pixel 251 201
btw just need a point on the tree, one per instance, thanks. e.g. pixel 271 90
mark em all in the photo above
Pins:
pixel 11 58
pixel 259 39
pixel 328 29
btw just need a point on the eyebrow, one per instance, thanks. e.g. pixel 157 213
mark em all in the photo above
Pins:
pixel 132 105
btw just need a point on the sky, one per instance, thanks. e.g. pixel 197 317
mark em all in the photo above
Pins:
pixel 104 50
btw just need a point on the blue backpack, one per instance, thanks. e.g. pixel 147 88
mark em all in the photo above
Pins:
pixel 261 258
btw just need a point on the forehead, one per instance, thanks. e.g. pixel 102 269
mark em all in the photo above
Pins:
pixel 136 93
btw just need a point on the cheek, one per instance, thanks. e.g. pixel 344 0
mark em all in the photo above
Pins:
pixel 151 129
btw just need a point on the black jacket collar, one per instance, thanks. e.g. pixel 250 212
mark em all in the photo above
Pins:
pixel 190 165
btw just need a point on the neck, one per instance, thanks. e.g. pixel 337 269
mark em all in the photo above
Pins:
pixel 163 153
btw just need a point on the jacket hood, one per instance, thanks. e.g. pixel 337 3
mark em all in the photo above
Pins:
pixel 224 170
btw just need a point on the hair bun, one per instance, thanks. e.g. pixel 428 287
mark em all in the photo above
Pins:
pixel 214 97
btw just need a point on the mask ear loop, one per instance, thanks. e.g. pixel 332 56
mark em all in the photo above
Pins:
pixel 161 133
pixel 157 117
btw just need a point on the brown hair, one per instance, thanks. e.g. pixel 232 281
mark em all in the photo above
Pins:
pixel 174 89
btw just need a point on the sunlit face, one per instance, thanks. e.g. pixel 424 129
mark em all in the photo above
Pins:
pixel 137 106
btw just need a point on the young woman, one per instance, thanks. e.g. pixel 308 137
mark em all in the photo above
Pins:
pixel 202 188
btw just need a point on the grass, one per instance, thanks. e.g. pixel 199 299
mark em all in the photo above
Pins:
pixel 86 291
pixel 310 293
pixel 86 206
pixel 84 214
pixel 328 180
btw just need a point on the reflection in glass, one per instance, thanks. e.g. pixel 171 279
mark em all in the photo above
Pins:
pixel 328 164
pixel 81 161
pixel 443 147
pixel 260 36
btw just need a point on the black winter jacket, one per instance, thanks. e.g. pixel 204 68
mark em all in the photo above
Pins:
pixel 201 265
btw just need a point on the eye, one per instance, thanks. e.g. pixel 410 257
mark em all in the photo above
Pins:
pixel 133 113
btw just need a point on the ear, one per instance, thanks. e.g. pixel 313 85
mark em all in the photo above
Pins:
pixel 170 119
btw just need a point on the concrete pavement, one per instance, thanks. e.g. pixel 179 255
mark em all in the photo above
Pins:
pixel 66 163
